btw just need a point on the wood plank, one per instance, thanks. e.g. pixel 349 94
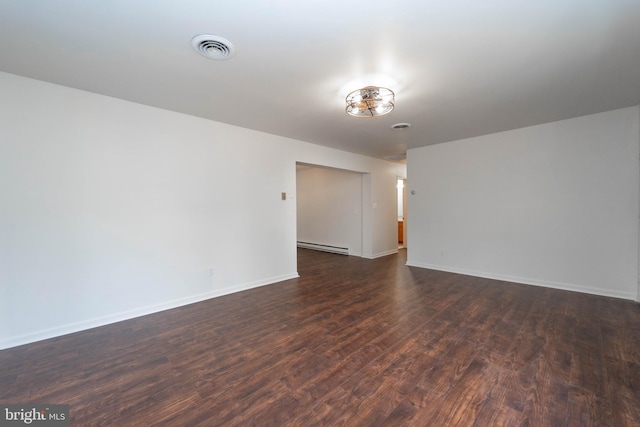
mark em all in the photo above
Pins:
pixel 351 342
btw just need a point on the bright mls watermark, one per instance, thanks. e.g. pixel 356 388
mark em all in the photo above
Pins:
pixel 34 415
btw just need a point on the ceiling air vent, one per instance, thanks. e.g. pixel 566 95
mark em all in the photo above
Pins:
pixel 213 47
pixel 401 126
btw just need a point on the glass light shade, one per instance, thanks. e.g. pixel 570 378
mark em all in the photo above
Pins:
pixel 370 101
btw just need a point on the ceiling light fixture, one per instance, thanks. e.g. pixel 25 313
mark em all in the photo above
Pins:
pixel 370 101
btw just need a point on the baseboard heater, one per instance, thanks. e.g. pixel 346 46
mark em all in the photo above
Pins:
pixel 324 248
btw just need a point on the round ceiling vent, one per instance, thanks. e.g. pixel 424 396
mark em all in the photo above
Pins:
pixel 401 126
pixel 213 47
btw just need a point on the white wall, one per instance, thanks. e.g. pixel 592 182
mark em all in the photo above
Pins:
pixel 553 205
pixel 110 209
pixel 329 208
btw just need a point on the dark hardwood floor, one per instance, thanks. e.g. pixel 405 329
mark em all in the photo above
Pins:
pixel 352 342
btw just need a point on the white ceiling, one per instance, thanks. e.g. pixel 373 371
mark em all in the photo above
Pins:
pixel 460 68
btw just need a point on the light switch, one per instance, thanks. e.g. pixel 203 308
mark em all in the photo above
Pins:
pixel 284 196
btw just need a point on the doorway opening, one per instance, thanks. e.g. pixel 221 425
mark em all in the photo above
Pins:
pixel 329 214
pixel 401 186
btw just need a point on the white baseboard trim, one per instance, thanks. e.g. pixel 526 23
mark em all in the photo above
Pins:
pixel 381 254
pixel 130 314
pixel 526 281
